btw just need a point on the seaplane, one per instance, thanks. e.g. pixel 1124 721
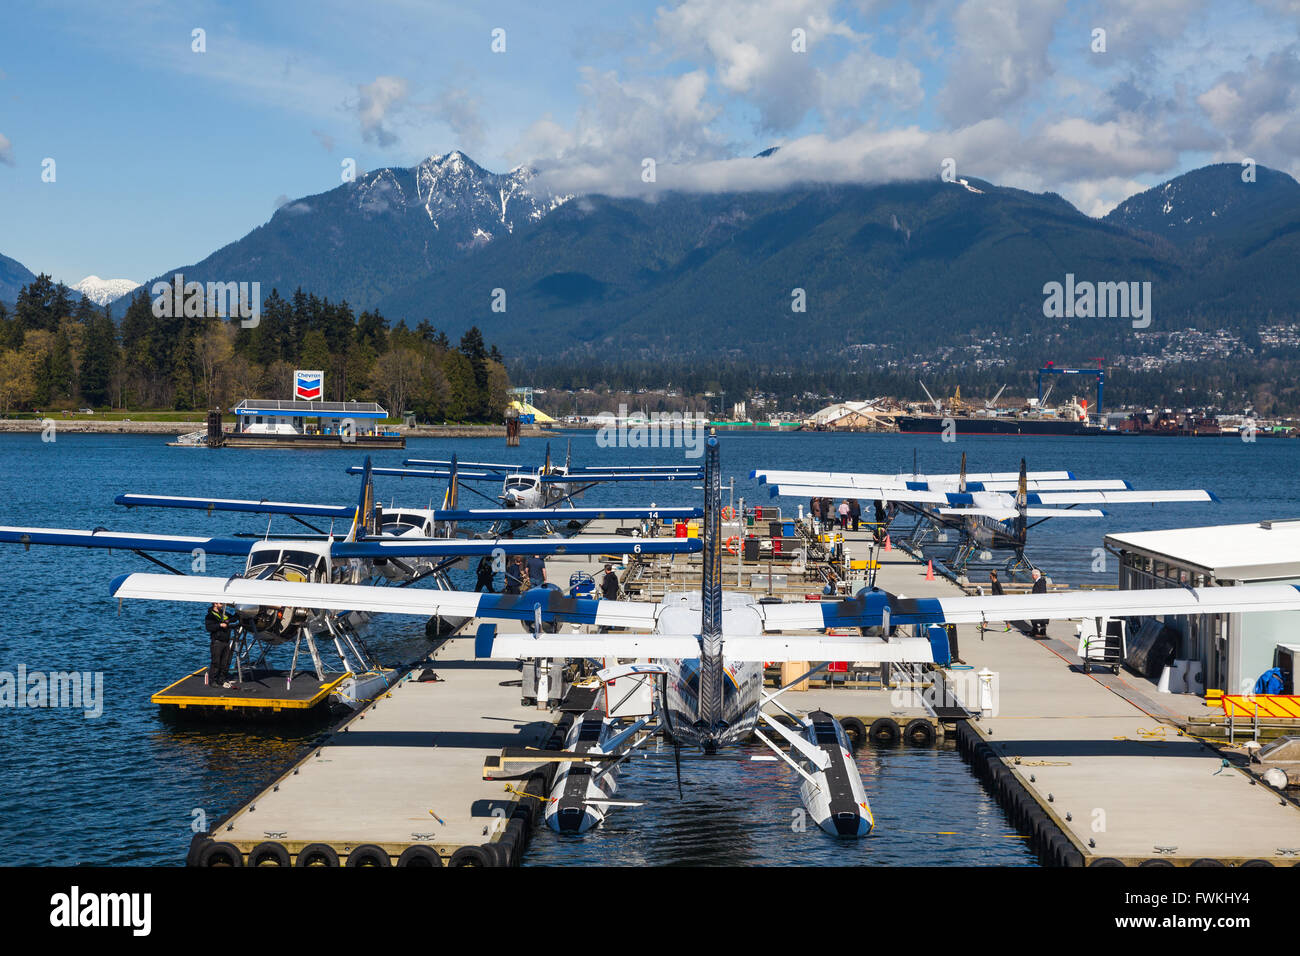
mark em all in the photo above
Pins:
pixel 989 512
pixel 704 653
pixel 414 524
pixel 371 554
pixel 548 488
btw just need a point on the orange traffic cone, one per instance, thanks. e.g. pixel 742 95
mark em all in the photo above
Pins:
pixel 887 545
pixel 929 570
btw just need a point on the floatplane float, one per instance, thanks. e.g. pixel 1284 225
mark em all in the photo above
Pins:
pixel 376 552
pixel 989 512
pixel 704 653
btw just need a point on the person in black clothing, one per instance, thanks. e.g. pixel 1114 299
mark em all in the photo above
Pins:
pixel 880 530
pixel 515 575
pixel 217 624
pixel 485 575
pixel 995 586
pixel 1040 587
pixel 855 512
pixel 536 571
pixel 609 583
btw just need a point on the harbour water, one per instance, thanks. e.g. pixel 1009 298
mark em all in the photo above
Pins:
pixel 126 788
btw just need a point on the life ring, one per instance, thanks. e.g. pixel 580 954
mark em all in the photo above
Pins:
pixel 884 731
pixel 732 542
pixel 919 732
pixel 420 856
pixel 728 513
pixel 368 855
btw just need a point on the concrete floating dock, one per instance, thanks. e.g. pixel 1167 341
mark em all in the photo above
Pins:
pixel 405 772
pixel 1102 757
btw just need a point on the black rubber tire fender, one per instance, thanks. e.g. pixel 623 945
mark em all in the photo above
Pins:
pixel 1106 861
pixel 919 732
pixel 220 854
pixel 269 853
pixel 473 856
pixel 420 856
pixel 884 732
pixel 856 731
pixel 368 855
pixel 317 854
pixel 1257 863
pixel 1155 861
pixel 1206 861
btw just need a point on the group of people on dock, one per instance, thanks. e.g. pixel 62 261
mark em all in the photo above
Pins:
pixel 524 573
pixel 825 514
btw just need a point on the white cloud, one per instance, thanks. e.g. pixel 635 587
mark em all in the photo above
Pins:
pixel 1002 56
pixel 376 101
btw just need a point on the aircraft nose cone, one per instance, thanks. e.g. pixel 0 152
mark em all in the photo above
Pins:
pixel 570 819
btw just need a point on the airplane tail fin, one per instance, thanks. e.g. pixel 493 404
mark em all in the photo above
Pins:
pixel 449 500
pixel 1022 503
pixel 363 520
pixel 711 581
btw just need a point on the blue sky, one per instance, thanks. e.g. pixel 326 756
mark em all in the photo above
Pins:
pixel 164 154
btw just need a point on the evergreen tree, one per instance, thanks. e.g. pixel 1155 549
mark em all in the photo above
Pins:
pixel 100 361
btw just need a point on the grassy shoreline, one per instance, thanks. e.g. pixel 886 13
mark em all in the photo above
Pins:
pixel 175 423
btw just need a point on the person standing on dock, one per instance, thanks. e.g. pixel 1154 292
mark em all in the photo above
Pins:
pixel 485 575
pixel 217 624
pixel 995 586
pixel 609 584
pixel 1040 587
pixel 844 514
pixel 515 575
pixel 855 512
pixel 536 571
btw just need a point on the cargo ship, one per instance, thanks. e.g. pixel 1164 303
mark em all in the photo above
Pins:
pixel 1070 418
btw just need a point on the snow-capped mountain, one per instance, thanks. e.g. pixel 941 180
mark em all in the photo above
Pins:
pixel 384 230
pixel 1210 202
pixel 103 291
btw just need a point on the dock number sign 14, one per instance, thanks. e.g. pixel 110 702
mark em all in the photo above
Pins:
pixel 308 386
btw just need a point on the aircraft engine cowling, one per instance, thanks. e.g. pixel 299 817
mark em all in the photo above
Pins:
pixel 274 625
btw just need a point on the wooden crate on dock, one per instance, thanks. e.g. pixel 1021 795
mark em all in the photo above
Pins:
pixel 792 669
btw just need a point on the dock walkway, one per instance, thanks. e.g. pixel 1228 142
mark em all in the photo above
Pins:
pixel 1099 758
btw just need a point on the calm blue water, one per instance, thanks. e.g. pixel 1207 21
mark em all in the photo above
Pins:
pixel 125 787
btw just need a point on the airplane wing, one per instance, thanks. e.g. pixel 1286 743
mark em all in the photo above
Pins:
pixel 572 514
pixel 344 512
pixel 1247 598
pixel 1006 514
pixel 773 477
pixel 809 647
pixel 127 542
pixel 869 610
pixel 501 469
pixel 1118 497
pixel 876 493
pixel 435 547
pixel 603 476
pixel 419 602
pixel 428 473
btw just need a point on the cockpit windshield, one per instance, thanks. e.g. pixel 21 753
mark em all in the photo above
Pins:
pixel 401 522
